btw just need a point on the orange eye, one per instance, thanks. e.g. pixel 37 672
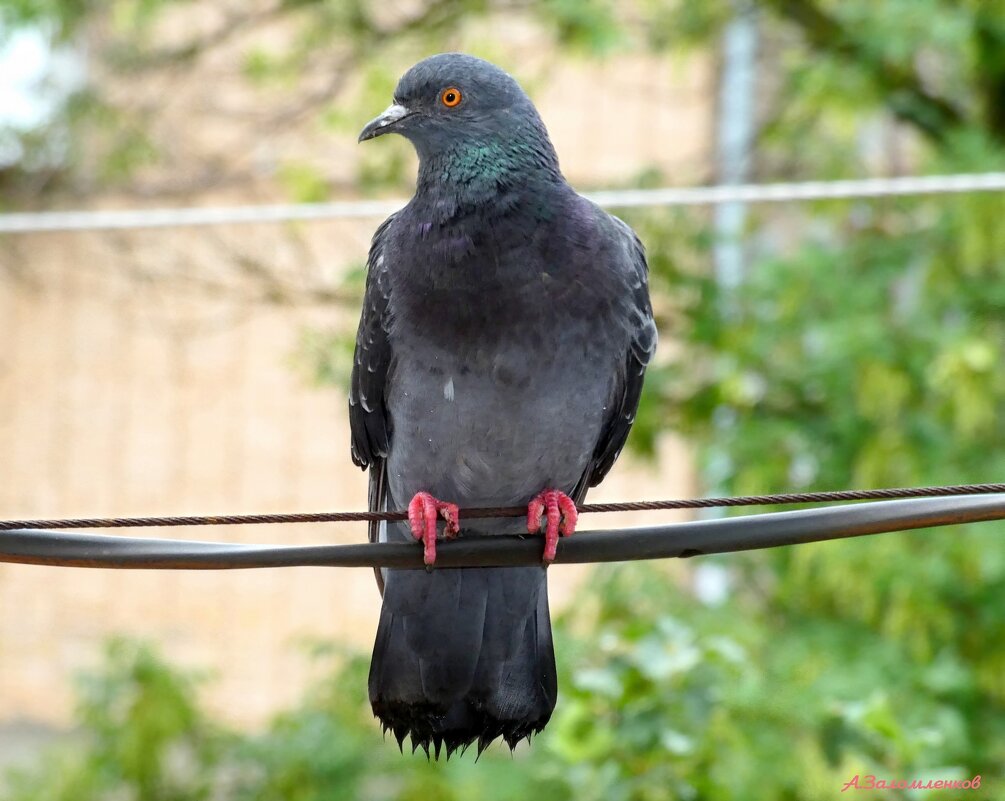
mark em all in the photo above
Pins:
pixel 450 97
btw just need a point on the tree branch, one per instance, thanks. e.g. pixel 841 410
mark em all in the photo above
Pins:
pixel 906 97
pixel 989 36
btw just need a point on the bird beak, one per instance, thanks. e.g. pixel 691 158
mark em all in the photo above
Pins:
pixel 383 123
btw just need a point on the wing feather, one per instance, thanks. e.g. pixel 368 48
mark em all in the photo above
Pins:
pixel 368 421
pixel 643 339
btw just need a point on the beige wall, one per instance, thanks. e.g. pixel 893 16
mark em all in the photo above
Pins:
pixel 142 374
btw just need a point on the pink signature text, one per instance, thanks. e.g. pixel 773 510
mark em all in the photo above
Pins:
pixel 870 782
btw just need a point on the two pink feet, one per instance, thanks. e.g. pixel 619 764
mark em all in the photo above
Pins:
pixel 557 509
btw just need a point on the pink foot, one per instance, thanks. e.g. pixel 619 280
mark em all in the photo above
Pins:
pixel 557 506
pixel 422 514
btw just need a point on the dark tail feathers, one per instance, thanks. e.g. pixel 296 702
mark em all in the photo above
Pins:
pixel 464 656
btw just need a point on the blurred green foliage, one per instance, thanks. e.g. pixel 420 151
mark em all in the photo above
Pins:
pixel 864 349
pixel 661 698
pixel 142 730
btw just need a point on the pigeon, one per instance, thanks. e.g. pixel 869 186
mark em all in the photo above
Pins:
pixel 505 331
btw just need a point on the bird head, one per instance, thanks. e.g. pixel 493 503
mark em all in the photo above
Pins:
pixel 452 99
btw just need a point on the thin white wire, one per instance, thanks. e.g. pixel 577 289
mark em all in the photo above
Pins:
pixel 19 223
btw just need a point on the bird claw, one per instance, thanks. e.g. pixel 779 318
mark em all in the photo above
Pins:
pixel 422 514
pixel 560 518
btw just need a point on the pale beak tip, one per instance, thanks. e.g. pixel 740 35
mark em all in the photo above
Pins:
pixel 381 123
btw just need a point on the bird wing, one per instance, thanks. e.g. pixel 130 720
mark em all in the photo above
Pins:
pixel 368 421
pixel 630 259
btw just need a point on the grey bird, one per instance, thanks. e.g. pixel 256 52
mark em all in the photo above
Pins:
pixel 505 331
